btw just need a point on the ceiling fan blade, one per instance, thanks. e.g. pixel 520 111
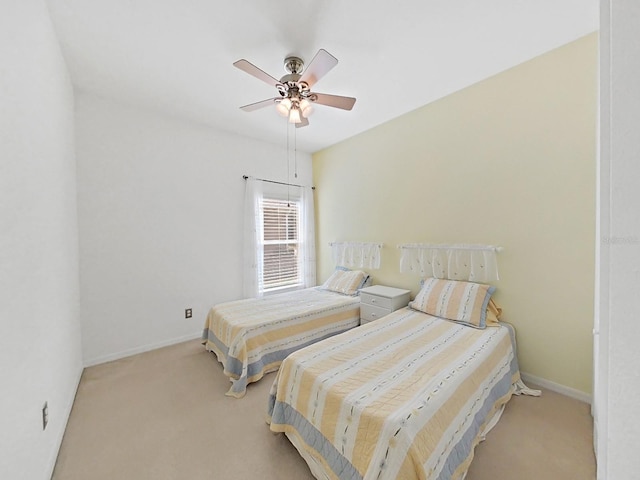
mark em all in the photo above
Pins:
pixel 251 69
pixel 303 123
pixel 255 106
pixel 345 103
pixel 318 68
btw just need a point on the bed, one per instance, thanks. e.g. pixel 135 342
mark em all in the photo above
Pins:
pixel 408 396
pixel 251 337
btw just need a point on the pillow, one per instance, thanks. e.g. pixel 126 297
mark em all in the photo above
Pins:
pixel 366 281
pixel 346 281
pixel 462 302
pixel 494 311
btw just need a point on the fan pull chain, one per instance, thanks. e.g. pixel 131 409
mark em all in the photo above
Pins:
pixel 295 152
pixel 288 163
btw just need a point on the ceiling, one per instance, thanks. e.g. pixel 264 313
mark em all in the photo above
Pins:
pixel 176 56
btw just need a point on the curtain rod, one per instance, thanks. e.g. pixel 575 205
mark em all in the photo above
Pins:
pixel 428 246
pixel 279 183
pixel 358 244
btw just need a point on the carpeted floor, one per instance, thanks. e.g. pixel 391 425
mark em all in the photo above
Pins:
pixel 163 415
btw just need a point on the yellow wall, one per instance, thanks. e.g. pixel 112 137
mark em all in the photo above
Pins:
pixel 509 161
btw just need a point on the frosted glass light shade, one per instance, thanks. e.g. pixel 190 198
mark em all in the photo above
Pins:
pixel 294 115
pixel 283 107
pixel 306 107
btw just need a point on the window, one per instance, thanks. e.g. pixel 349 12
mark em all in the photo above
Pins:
pixel 279 238
pixel 281 267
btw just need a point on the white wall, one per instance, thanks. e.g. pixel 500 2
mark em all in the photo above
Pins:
pixel 160 218
pixel 40 352
pixel 618 363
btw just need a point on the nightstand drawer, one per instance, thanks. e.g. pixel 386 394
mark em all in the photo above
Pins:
pixel 376 300
pixel 368 313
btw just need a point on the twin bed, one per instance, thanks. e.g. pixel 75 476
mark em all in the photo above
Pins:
pixel 408 396
pixel 251 337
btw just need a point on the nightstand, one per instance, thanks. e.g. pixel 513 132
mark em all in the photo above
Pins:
pixel 377 301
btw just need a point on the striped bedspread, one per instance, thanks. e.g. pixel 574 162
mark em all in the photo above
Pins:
pixel 251 337
pixel 405 397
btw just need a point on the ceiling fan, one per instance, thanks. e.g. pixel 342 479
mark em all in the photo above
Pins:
pixel 295 99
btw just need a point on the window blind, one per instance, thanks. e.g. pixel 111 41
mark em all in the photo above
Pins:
pixel 281 220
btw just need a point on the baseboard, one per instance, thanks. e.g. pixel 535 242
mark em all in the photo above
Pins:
pixel 144 348
pixel 556 387
pixel 66 414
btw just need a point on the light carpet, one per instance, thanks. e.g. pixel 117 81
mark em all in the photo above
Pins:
pixel 163 415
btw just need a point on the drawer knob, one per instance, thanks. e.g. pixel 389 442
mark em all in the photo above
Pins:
pixel 373 300
pixel 373 314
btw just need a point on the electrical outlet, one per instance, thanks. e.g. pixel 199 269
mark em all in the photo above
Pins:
pixel 45 415
pixel 188 313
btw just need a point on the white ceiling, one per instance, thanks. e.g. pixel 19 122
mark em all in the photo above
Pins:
pixel 176 56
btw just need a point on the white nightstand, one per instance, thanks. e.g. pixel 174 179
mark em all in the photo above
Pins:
pixel 377 301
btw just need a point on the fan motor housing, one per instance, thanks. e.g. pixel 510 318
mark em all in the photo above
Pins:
pixel 294 65
pixel 290 78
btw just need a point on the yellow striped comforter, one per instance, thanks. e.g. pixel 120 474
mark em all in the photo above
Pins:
pixel 251 337
pixel 405 397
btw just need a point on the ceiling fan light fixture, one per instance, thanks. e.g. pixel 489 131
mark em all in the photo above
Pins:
pixel 306 108
pixel 283 107
pixel 294 115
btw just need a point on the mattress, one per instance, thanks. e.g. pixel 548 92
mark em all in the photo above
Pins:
pixel 251 337
pixel 408 396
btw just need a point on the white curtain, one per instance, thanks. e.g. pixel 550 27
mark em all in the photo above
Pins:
pixel 307 232
pixel 252 238
pixel 255 190
pixel 356 254
pixel 476 263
